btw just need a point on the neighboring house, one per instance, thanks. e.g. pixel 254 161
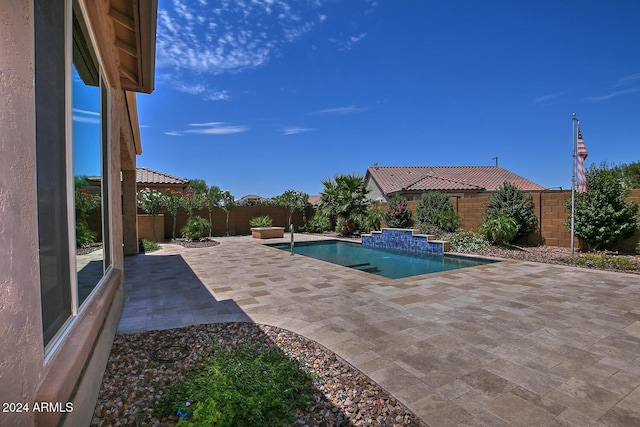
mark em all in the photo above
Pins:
pixel 154 180
pixel 252 199
pixel 58 323
pixel 410 182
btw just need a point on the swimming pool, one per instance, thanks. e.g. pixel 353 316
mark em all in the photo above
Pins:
pixel 389 263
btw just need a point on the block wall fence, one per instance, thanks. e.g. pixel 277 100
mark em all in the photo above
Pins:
pixel 550 212
pixel 548 205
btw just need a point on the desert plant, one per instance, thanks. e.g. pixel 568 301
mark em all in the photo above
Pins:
pixel 514 203
pixel 398 214
pixel 212 199
pixel 261 221
pixel 603 216
pixel 374 218
pixel 498 227
pixel 342 200
pixel 467 242
pixel 196 228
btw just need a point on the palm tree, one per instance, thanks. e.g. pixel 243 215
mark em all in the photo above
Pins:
pixel 344 201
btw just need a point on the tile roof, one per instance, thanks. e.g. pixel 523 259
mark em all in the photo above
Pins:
pixel 149 176
pixel 392 179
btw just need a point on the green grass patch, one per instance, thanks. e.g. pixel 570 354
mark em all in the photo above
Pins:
pixel 247 386
pixel 603 261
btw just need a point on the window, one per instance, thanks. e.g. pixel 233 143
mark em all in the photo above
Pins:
pixel 71 162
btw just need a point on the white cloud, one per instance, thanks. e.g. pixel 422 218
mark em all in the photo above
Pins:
pixel 348 42
pixel 216 128
pixel 628 80
pixel 84 116
pixel 292 130
pixel 217 95
pixel 340 110
pixel 612 95
pixel 545 98
pixel 173 133
pixel 232 37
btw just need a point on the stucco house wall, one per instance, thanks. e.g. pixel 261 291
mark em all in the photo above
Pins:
pixel 70 372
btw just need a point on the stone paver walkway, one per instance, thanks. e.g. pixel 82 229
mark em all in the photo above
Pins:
pixel 504 344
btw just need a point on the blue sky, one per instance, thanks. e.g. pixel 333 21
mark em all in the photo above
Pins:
pixel 261 96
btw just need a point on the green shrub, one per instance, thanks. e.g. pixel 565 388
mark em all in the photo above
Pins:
pixel 261 221
pixel 447 220
pixel 467 242
pixel 514 203
pixel 498 227
pixel 247 386
pixel 397 214
pixel 148 245
pixel 603 261
pixel 374 217
pixel 603 216
pixel 84 236
pixel 318 224
pixel 430 203
pixel 196 228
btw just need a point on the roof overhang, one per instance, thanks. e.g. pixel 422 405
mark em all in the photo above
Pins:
pixel 134 27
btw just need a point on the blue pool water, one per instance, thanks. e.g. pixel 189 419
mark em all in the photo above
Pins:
pixel 393 264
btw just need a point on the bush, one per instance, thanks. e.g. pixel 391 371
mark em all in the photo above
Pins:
pixel 374 217
pixel 498 227
pixel 148 246
pixel 447 220
pixel 603 216
pixel 318 224
pixel 430 203
pixel 467 242
pixel 196 228
pixel 84 236
pixel 247 386
pixel 397 214
pixel 603 261
pixel 514 203
pixel 261 221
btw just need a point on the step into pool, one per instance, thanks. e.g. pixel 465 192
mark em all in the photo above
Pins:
pixel 393 264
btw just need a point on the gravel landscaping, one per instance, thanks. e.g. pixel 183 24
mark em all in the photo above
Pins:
pixel 138 374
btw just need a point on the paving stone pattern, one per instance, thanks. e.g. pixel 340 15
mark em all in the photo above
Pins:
pixel 503 344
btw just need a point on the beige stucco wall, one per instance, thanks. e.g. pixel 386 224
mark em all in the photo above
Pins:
pixel 21 328
pixel 73 372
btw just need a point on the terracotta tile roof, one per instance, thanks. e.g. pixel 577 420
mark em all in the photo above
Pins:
pixel 392 179
pixel 149 176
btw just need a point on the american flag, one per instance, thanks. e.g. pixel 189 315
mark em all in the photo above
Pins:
pixel 582 155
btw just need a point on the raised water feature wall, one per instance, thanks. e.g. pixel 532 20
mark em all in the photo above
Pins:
pixel 405 239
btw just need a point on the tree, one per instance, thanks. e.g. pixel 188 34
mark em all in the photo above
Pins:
pixel 514 203
pixel 193 202
pixel 172 201
pixel 198 186
pixel 603 216
pixel 628 173
pixel 344 201
pixel 150 201
pixel 293 200
pixel 227 203
pixel 212 199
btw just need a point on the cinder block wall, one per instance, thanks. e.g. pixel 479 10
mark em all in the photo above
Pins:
pixel 550 210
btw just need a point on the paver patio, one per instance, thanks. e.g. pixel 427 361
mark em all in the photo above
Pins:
pixel 505 344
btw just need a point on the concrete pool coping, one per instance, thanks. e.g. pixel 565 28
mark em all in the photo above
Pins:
pixel 509 343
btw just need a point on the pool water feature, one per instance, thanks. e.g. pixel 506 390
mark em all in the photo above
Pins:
pixel 390 263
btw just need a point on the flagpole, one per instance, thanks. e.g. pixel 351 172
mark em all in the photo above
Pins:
pixel 573 181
